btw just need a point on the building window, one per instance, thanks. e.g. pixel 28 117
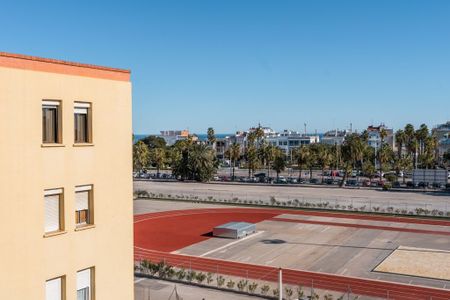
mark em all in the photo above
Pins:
pixel 51 122
pixel 85 284
pixel 82 115
pixel 83 206
pixel 53 210
pixel 54 289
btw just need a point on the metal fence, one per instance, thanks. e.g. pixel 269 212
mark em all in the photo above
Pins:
pixel 262 280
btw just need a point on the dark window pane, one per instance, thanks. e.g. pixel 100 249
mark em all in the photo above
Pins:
pixel 50 125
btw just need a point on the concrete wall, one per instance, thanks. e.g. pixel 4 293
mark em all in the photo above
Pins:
pixel 27 258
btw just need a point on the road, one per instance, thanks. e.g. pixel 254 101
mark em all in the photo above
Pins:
pixel 350 198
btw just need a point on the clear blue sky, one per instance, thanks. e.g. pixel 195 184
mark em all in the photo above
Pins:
pixel 232 63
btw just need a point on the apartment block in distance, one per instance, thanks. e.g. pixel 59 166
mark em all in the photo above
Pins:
pixel 65 187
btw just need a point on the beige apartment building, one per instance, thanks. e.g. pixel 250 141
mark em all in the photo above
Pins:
pixel 65 184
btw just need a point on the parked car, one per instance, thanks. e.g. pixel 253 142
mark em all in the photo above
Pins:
pixel 352 182
pixel 314 181
pixel 423 184
pixel 292 180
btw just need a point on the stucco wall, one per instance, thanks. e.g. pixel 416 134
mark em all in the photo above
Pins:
pixel 27 259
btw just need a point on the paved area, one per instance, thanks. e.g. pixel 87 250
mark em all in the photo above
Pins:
pixel 334 249
pixel 420 262
pixel 152 289
pixel 356 198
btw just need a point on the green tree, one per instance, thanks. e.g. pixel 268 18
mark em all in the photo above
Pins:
pixel 324 158
pixel 411 142
pixel 233 153
pixel 302 156
pixel 153 141
pixel 252 159
pixel 158 158
pixel 279 163
pixel 446 158
pixel 267 154
pixel 211 137
pixel 201 162
pixel 352 152
pixel 141 156
pixel 385 157
pixel 369 169
pixel 400 140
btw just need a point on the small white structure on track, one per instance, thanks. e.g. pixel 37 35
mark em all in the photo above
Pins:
pixel 234 230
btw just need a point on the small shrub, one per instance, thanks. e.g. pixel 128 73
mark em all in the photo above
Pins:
pixel 252 287
pixel 209 278
pixel 265 289
pixel 220 281
pixel 242 284
pixel 180 274
pixel 300 292
pixel 289 292
pixel 200 277
pixel 230 284
pixel 276 292
pixel 191 275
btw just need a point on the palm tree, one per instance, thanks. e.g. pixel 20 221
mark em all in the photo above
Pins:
pixel 385 155
pixel 302 156
pixel 252 159
pixel 259 134
pixel 268 153
pixel 324 158
pixel 211 137
pixel 383 135
pixel 201 162
pixel 279 163
pixel 140 156
pixel 400 139
pixel 233 153
pixel 421 135
pixel 411 143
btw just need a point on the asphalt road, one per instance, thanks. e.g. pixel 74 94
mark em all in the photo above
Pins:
pixel 357 198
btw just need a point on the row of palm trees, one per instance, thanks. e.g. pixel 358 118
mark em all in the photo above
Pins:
pixel 197 161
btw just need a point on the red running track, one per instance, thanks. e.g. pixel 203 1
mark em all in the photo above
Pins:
pixel 162 232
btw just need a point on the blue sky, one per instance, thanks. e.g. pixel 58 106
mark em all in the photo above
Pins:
pixel 233 63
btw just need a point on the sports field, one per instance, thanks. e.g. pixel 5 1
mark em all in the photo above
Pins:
pixel 336 250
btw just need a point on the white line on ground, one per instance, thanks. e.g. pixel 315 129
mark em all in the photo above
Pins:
pixel 139 280
pixel 231 244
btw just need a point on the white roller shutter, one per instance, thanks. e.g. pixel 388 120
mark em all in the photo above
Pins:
pixel 52 213
pixel 51 103
pixel 82 104
pixel 84 283
pixel 81 200
pixel 53 289
pixel 78 110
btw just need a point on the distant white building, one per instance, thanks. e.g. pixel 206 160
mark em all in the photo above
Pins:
pixel 334 137
pixel 442 133
pixel 172 136
pixel 288 140
pixel 374 133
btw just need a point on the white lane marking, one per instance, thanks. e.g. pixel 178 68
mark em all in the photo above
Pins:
pixel 231 244
pixel 139 280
